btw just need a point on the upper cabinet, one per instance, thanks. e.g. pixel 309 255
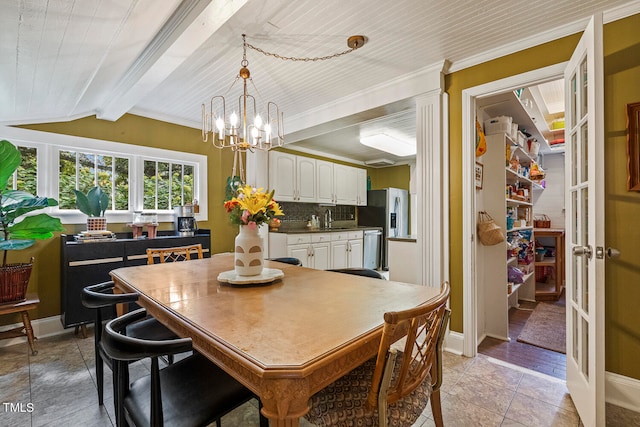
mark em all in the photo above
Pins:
pixel 293 177
pixel 303 179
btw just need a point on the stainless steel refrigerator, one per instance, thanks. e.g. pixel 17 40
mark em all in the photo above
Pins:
pixel 387 208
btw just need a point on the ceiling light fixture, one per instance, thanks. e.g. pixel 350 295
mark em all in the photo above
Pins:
pixel 390 144
pixel 245 129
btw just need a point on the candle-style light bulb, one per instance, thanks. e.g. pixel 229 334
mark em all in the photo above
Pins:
pixel 220 127
pixel 257 121
pixel 233 119
pixel 267 133
pixel 254 134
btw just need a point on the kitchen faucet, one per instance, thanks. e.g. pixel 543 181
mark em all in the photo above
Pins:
pixel 327 219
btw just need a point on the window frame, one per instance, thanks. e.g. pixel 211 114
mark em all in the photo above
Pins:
pixel 49 145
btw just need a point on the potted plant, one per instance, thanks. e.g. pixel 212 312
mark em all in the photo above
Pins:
pixel 17 230
pixel 93 204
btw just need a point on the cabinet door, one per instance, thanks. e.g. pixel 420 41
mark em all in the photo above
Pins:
pixel 321 256
pixel 355 253
pixel 282 176
pixel 306 179
pixel 361 187
pixel 339 254
pixel 301 252
pixel 324 182
pixel 345 182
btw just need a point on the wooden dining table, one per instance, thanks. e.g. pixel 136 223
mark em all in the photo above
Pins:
pixel 284 340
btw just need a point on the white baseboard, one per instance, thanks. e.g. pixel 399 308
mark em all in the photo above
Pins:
pixel 454 343
pixel 622 391
pixel 42 328
pixel 618 390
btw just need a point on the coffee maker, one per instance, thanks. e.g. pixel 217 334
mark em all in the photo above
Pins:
pixel 185 221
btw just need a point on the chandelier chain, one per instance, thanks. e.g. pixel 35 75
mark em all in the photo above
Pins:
pixel 303 59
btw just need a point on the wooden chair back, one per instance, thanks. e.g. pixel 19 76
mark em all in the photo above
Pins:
pixel 423 328
pixel 179 253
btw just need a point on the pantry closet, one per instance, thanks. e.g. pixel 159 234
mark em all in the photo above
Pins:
pixel 522 189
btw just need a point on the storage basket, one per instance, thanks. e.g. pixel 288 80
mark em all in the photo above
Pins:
pixel 14 279
pixel 489 232
pixel 500 124
pixel 542 221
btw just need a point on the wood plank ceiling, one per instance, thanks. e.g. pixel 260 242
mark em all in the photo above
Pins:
pixel 64 59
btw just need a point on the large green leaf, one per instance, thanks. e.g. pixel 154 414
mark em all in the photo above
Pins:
pixel 10 159
pixel 15 245
pixel 39 226
pixel 18 203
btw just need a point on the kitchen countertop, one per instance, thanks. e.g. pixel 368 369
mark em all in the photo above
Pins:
pixel 323 230
pixel 407 238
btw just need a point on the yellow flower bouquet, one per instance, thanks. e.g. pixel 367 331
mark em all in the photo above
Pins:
pixel 252 206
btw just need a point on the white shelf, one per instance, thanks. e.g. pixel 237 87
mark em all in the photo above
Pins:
pixel 511 260
pixel 528 227
pixel 519 202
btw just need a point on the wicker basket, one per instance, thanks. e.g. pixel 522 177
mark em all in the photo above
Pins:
pixel 542 221
pixel 14 279
pixel 489 232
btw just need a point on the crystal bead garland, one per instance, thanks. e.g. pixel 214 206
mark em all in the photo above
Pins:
pixel 248 252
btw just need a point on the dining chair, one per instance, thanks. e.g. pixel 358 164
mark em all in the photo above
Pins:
pixel 393 388
pixel 287 260
pixel 191 392
pixel 367 272
pixel 178 253
pixel 100 297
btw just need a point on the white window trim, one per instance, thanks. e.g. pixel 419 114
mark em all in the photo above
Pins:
pixel 48 145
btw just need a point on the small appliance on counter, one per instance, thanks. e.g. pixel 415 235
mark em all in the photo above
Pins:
pixel 185 221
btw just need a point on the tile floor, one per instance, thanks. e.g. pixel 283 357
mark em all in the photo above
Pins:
pixel 57 388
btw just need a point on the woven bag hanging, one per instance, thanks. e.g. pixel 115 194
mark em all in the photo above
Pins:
pixel 489 232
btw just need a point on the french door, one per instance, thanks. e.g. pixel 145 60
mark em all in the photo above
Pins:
pixel 584 173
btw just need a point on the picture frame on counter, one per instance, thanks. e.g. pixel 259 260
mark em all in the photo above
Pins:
pixel 479 175
pixel 633 146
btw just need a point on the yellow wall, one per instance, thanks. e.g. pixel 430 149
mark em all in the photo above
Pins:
pixel 130 129
pixel 622 208
pixel 622 66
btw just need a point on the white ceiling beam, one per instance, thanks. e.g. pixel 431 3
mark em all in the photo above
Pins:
pixel 193 22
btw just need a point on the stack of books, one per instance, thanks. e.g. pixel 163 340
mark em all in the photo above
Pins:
pixel 95 236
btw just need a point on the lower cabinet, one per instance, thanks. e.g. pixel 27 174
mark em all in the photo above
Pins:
pixel 83 264
pixel 322 251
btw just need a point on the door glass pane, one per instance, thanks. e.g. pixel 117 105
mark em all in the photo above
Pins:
pixel 575 334
pixel 584 285
pixel 584 218
pixel 574 207
pixel 584 86
pixel 573 95
pixel 576 267
pixel 584 152
pixel 585 348
pixel 574 158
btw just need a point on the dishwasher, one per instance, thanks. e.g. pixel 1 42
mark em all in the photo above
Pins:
pixel 372 246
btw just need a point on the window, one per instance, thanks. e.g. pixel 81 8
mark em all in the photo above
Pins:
pixel 82 171
pixel 136 177
pixel 25 178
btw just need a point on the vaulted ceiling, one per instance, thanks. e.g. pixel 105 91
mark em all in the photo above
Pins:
pixel 65 59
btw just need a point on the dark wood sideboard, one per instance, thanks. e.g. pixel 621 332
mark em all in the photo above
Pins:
pixel 87 263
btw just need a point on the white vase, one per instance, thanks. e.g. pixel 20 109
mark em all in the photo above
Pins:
pixel 248 252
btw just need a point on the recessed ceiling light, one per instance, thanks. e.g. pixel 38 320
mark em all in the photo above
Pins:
pixel 390 144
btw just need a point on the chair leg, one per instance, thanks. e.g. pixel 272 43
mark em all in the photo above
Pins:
pixel 436 408
pixel 100 377
pixel 218 423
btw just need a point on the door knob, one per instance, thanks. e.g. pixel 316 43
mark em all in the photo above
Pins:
pixel 583 250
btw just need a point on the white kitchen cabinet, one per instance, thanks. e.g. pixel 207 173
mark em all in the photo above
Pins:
pixel 293 177
pixel 345 180
pixel 282 176
pixel 338 249
pixel 346 249
pixel 361 187
pixel 324 182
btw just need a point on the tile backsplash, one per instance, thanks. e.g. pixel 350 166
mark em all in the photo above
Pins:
pixel 297 214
